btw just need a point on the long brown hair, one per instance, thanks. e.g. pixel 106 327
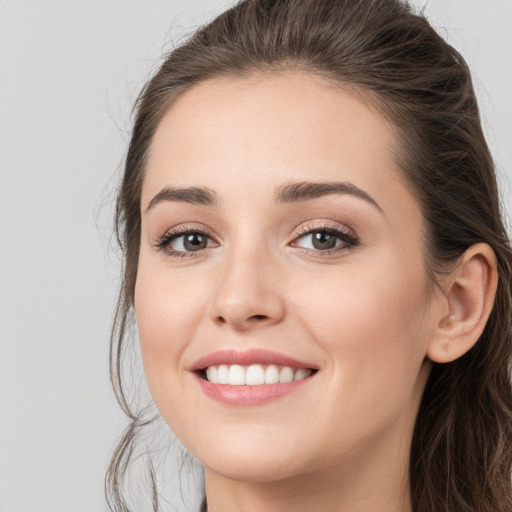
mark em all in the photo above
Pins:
pixel 462 444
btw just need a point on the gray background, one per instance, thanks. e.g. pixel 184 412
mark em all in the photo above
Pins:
pixel 69 73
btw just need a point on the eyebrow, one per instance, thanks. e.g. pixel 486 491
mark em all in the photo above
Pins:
pixel 194 195
pixel 286 193
pixel 306 190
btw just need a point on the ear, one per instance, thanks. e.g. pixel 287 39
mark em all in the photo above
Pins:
pixel 468 299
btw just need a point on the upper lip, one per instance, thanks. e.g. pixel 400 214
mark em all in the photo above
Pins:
pixel 247 358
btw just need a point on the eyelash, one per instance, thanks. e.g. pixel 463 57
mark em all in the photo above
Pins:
pixel 348 239
pixel 163 243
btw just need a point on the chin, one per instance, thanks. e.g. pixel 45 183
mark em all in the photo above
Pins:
pixel 253 462
pixel 258 471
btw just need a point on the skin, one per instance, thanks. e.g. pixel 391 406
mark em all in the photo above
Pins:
pixel 366 316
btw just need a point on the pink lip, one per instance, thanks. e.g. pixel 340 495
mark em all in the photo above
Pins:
pixel 248 357
pixel 247 395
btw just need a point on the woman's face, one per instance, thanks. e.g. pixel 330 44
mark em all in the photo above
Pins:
pixel 279 242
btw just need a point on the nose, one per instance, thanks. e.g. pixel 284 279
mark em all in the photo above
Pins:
pixel 247 293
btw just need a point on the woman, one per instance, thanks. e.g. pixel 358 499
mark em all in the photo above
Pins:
pixel 317 265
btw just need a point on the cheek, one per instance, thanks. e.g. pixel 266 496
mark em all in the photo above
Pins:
pixel 166 311
pixel 373 326
pixel 364 302
pixel 165 305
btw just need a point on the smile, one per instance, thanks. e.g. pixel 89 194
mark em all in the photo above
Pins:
pixel 254 375
pixel 250 377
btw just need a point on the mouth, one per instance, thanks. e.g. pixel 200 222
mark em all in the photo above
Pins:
pixel 254 374
pixel 250 377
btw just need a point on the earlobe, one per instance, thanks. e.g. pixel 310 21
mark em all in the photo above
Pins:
pixel 469 293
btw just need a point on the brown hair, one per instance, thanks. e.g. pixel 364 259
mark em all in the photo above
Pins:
pixel 462 444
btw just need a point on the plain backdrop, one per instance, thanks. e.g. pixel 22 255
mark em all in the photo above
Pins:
pixel 69 73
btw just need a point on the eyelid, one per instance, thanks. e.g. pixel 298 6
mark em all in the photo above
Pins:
pixel 344 233
pixel 162 243
pixel 324 225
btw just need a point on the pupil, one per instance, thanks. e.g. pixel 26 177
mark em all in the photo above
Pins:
pixel 323 240
pixel 194 242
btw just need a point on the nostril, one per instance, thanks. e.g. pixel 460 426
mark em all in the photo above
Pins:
pixel 259 317
pixel 243 320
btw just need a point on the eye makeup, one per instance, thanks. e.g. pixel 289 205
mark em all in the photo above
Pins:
pixel 189 241
pixel 322 237
pixel 193 237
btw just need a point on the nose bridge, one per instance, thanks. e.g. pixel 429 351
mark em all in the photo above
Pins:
pixel 246 292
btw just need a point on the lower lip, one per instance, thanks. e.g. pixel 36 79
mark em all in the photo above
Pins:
pixel 248 395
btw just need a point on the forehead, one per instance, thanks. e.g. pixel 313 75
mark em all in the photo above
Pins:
pixel 249 135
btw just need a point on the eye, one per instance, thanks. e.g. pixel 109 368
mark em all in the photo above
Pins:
pixel 183 243
pixel 325 239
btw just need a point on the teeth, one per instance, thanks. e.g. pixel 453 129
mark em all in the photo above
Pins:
pixel 236 375
pixel 254 375
pixel 212 374
pixel 271 374
pixel 301 373
pixel 285 375
pixel 222 374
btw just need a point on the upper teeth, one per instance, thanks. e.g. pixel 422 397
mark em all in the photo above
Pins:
pixel 254 375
